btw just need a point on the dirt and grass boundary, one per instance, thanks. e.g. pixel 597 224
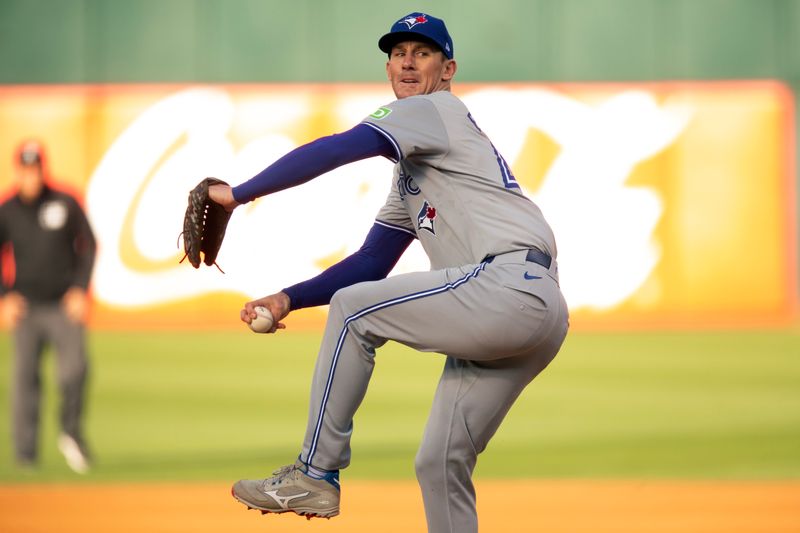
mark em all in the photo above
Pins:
pixel 555 506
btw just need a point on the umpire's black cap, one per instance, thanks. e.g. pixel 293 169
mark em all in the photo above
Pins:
pixel 30 153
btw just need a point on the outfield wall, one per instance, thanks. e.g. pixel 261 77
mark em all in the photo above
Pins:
pixel 232 41
pixel 663 193
pixel 654 190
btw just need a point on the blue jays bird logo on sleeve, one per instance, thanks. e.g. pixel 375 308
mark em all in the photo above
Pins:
pixel 426 217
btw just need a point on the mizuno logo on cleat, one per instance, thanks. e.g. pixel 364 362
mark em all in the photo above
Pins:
pixel 283 501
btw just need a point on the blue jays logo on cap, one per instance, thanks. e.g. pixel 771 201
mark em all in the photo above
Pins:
pixel 413 21
pixel 418 27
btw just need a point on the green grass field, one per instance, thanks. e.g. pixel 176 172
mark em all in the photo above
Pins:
pixel 214 406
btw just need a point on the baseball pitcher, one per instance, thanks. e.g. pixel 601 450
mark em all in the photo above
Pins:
pixel 491 302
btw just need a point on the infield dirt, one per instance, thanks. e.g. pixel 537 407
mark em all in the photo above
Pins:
pixel 554 506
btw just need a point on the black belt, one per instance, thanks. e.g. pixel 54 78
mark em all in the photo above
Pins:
pixel 538 257
pixel 534 256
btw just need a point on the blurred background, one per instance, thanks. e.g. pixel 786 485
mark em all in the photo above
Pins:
pixel 662 132
pixel 660 138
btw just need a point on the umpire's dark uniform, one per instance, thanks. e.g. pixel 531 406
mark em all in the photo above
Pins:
pixel 54 250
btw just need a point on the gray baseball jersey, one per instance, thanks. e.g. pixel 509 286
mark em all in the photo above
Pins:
pixel 490 303
pixel 451 187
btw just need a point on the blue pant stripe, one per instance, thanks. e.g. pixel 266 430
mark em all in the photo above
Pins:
pixel 343 335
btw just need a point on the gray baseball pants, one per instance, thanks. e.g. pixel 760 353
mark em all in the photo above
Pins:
pixel 43 324
pixel 499 324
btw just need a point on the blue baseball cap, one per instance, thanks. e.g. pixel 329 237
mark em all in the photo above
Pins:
pixel 415 27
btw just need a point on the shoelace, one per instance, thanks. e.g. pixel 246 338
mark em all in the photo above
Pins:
pixel 280 474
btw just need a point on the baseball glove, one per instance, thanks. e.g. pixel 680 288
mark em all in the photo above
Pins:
pixel 204 225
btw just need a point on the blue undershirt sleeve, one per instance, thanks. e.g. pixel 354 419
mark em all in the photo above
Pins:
pixel 374 260
pixel 315 158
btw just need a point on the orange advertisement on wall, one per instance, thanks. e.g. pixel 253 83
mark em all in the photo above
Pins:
pixel 673 203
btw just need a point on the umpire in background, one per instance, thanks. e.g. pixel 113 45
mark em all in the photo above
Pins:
pixel 53 251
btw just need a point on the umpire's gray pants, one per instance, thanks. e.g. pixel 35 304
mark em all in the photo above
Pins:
pixel 46 324
pixel 499 323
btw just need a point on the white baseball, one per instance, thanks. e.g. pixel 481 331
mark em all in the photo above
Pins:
pixel 263 322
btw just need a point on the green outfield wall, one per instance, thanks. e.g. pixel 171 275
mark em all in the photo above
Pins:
pixel 83 41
